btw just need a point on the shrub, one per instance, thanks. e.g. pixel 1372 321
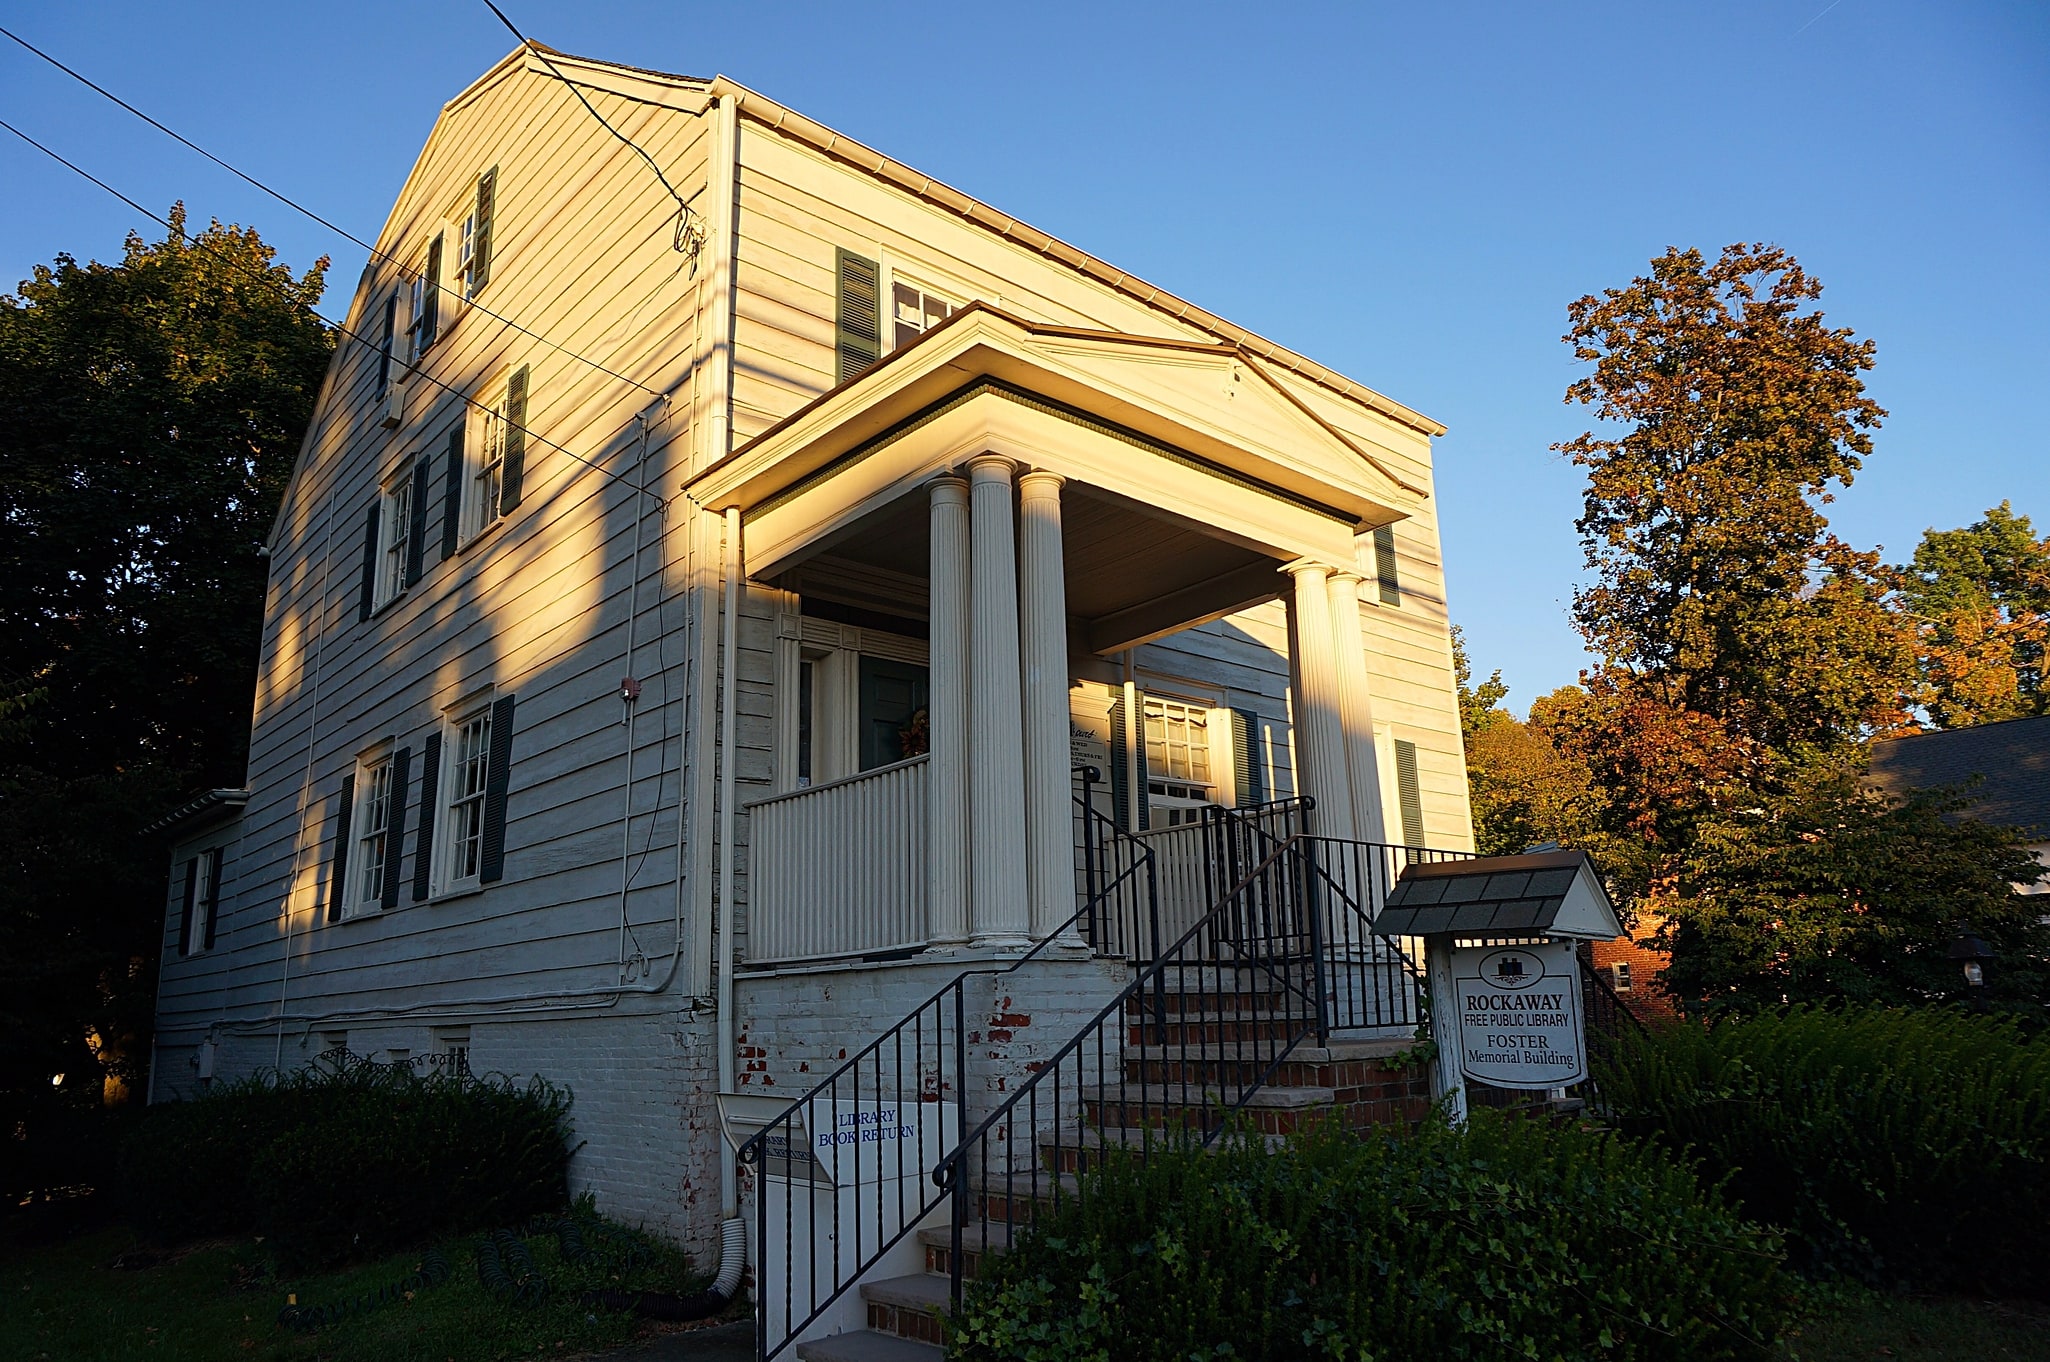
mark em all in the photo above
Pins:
pixel 1506 1238
pixel 345 1160
pixel 1904 1146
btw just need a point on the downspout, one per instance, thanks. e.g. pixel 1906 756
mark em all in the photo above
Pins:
pixel 724 176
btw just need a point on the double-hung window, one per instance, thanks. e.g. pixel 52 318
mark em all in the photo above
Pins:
pixel 395 535
pixel 469 769
pixel 1178 781
pixel 497 455
pixel 423 296
pixel 376 793
pixel 915 310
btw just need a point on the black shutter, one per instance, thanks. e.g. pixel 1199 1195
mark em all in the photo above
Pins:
pixel 210 897
pixel 1409 792
pixel 1128 793
pixel 430 296
pixel 480 239
pixel 515 465
pixel 395 825
pixel 857 313
pixel 191 896
pixel 384 349
pixel 492 859
pixel 430 805
pixel 1249 778
pixel 1384 566
pixel 338 873
pixel 452 494
pixel 416 535
pixel 367 595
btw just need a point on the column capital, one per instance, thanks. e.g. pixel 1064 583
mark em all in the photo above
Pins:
pixel 1040 481
pixel 988 467
pixel 1348 575
pixel 1305 565
pixel 949 488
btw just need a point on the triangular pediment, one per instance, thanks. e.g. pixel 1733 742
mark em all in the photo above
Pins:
pixel 1211 400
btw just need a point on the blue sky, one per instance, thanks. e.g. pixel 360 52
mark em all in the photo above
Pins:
pixel 1410 193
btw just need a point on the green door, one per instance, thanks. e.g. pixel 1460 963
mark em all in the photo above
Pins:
pixel 893 694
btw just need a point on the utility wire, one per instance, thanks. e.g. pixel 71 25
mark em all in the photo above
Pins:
pixel 688 238
pixel 337 327
pixel 298 207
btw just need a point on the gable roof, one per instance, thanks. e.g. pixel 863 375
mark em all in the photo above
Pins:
pixel 2011 761
pixel 1550 893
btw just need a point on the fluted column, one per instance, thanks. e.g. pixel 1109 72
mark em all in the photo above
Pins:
pixel 1356 708
pixel 1000 915
pixel 1043 648
pixel 1320 743
pixel 947 714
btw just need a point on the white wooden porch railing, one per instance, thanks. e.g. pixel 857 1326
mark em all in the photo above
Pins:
pixel 839 869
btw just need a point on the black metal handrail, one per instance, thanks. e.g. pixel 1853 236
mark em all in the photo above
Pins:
pixel 1148 1061
pixel 1120 912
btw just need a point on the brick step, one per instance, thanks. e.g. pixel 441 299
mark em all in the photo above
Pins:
pixel 862 1345
pixel 909 1307
pixel 1176 999
pixel 1074 1151
pixel 1270 1110
pixel 1348 1067
pixel 1024 1197
pixel 1215 1027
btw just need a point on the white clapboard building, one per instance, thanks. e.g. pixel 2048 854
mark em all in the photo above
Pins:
pixel 714 613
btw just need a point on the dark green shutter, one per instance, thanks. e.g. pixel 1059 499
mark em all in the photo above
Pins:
pixel 338 871
pixel 430 806
pixel 416 533
pixel 1249 776
pixel 857 313
pixel 367 595
pixel 191 897
pixel 391 330
pixel 1128 793
pixel 210 896
pixel 1120 765
pixel 430 297
pixel 1409 793
pixel 1384 566
pixel 395 825
pixel 452 494
pixel 480 239
pixel 491 859
pixel 515 466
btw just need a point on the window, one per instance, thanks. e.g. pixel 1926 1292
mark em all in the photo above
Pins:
pixel 496 456
pixel 395 532
pixel 202 901
pixel 424 299
pixel 1621 973
pixel 469 769
pixel 452 1050
pixel 473 236
pixel 915 310
pixel 376 793
pixel 1178 778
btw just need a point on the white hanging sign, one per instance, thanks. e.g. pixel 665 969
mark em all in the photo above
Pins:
pixel 1519 1015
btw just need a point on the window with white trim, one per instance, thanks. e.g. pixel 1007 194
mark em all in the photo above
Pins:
pixel 1620 972
pixel 915 310
pixel 1179 785
pixel 485 486
pixel 373 820
pixel 423 300
pixel 395 535
pixel 467 767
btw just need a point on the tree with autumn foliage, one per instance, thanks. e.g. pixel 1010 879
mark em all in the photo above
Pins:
pixel 1746 654
pixel 1979 601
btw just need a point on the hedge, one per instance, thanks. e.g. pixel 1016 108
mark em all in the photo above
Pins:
pixel 1503 1239
pixel 1904 1147
pixel 350 1159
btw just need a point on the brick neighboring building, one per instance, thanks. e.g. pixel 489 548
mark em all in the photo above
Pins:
pixel 1635 969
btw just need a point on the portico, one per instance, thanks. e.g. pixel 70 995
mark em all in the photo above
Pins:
pixel 1008 503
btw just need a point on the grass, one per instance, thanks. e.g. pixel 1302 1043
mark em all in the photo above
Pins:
pixel 1860 1327
pixel 66 1302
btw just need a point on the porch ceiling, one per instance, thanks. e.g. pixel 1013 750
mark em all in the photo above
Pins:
pixel 1133 573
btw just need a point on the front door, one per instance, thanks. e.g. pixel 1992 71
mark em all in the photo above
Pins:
pixel 891 711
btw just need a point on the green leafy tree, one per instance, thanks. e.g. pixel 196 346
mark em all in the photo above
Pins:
pixel 1830 891
pixel 150 412
pixel 1980 600
pixel 1729 413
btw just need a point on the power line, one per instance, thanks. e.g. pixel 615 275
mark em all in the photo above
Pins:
pixel 337 327
pixel 298 207
pixel 688 239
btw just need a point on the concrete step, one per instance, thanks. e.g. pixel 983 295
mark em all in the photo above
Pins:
pixel 978 1241
pixel 864 1345
pixel 909 1307
pixel 1271 1110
